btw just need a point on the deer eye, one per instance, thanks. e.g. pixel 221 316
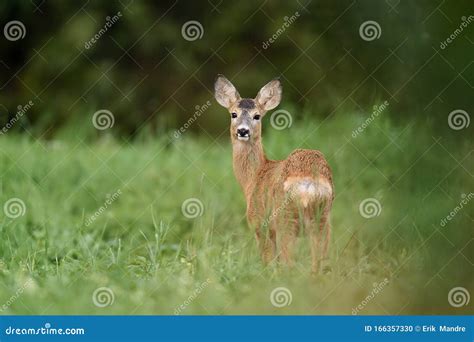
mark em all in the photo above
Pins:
pixel 234 115
pixel 256 117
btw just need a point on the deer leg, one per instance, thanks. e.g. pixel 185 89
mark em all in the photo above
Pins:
pixel 325 230
pixel 319 232
pixel 266 245
pixel 288 241
pixel 314 237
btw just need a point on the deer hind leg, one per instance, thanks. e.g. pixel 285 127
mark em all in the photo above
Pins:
pixel 287 240
pixel 325 229
pixel 266 241
pixel 319 231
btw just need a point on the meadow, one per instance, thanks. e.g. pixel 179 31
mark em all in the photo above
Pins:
pixel 106 214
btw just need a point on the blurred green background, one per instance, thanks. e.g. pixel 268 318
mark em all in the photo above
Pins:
pixel 143 70
pixel 412 157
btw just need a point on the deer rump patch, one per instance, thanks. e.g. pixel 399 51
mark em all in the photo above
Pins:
pixel 308 190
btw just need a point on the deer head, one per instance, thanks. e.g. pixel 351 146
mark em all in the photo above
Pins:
pixel 246 113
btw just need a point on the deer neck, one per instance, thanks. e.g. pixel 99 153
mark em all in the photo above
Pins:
pixel 248 158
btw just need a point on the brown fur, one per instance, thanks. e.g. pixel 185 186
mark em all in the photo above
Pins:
pixel 281 195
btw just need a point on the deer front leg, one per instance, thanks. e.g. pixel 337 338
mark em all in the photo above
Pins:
pixel 265 233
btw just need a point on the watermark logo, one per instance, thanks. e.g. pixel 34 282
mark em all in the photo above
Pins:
pixel 21 110
pixel 14 208
pixel 375 113
pixel 199 110
pixel 14 30
pixel 377 287
pixel 370 208
pixel 27 285
pixel 464 24
pixel 459 296
pixel 103 119
pixel 370 30
pixel 288 21
pixel 281 297
pixel 192 208
pixel 109 22
pixel 108 202
pixel 192 30
pixel 103 296
pixel 280 209
pixel 197 291
pixel 458 119
pixel 465 200
pixel 281 119
pixel 47 329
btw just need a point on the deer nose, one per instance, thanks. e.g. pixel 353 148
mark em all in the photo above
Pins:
pixel 243 132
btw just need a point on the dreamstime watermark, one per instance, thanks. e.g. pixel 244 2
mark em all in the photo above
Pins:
pixel 370 30
pixel 199 110
pixel 464 24
pixel 377 287
pixel 14 208
pixel 459 119
pixel 103 296
pixel 288 21
pixel 281 119
pixel 375 113
pixel 465 200
pixel 28 284
pixel 458 296
pixel 192 208
pixel 46 330
pixel 281 297
pixel 289 198
pixel 192 30
pixel 370 208
pixel 110 21
pixel 197 291
pixel 108 202
pixel 14 30
pixel 21 110
pixel 103 119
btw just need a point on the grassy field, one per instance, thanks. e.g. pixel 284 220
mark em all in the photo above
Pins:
pixel 153 259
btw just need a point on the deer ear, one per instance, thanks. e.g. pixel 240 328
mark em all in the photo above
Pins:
pixel 270 95
pixel 225 92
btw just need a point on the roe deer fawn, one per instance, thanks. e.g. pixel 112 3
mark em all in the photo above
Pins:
pixel 281 195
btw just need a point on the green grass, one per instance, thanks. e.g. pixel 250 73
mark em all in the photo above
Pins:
pixel 153 258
